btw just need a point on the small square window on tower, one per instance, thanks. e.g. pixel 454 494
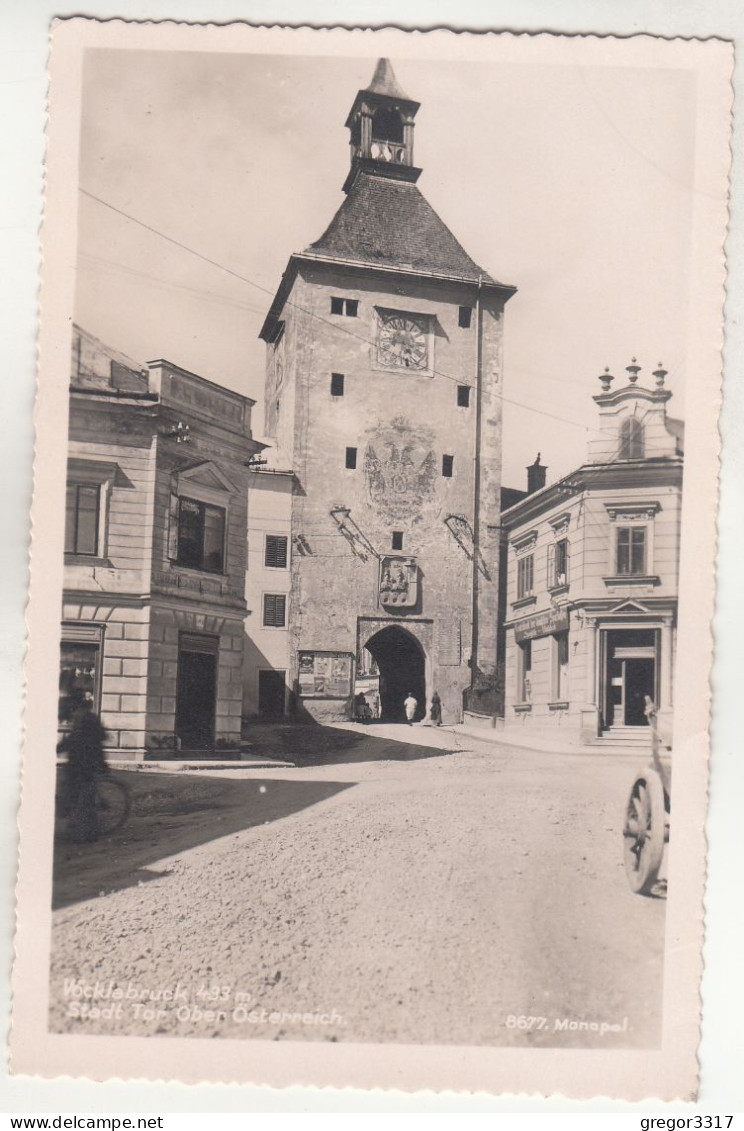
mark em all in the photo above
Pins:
pixel 347 306
pixel 337 384
pixel 397 539
pixel 448 463
pixel 463 396
pixel 351 458
pixel 463 318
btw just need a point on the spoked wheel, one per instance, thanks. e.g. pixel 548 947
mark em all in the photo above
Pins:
pixel 113 802
pixel 644 831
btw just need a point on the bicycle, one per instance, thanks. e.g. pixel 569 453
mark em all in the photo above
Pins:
pixel 99 807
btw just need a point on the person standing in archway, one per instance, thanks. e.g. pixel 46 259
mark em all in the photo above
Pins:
pixel 410 704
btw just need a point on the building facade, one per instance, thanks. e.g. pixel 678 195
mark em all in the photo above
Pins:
pixel 155 552
pixel 266 671
pixel 383 393
pixel 593 563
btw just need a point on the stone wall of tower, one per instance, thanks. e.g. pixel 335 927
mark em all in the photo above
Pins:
pixel 384 415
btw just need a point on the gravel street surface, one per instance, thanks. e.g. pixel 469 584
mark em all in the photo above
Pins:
pixel 412 886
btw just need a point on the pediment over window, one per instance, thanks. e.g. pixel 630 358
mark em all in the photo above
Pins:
pixel 205 477
pixel 81 470
pixel 633 607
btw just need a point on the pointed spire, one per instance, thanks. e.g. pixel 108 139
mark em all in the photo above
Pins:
pixel 385 82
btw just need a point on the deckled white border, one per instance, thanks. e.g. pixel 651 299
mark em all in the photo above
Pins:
pixel 690 724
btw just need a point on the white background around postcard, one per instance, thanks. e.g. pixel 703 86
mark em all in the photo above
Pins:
pixel 23 53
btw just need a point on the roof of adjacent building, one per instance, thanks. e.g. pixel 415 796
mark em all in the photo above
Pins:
pixel 389 223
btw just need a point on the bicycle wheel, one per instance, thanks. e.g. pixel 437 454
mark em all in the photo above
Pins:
pixel 113 802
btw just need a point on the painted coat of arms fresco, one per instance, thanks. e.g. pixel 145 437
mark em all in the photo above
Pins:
pixel 400 470
pixel 398 582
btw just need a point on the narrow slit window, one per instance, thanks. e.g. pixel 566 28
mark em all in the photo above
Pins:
pixel 463 396
pixel 351 458
pixel 464 316
pixel 448 463
pixel 397 539
pixel 337 305
pixel 337 384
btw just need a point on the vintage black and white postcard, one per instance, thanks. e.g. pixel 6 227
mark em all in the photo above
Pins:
pixel 375 496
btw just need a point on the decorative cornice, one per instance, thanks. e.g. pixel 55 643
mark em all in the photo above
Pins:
pixel 632 511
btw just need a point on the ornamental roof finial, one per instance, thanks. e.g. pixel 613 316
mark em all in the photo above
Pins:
pixel 633 370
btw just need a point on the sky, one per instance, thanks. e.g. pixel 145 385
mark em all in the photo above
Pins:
pixel 575 184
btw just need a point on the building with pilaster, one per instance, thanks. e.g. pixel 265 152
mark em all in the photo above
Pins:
pixel 592 577
pixel 153 620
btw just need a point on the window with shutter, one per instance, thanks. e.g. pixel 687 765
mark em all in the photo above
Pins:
pixel 276 551
pixel 274 610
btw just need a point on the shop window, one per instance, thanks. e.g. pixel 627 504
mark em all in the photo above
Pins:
pixel 351 458
pixel 464 316
pixel 78 675
pixel 632 439
pixel 337 384
pixel 524 672
pixel 275 554
pixel 631 551
pixel 274 610
pixel 560 666
pixel 558 564
pixel 82 518
pixel 448 465
pixel 348 307
pixel 397 539
pixel 201 536
pixel 463 396
pixel 525 576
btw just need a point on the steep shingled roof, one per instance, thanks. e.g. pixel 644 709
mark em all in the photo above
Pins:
pixel 385 82
pixel 389 223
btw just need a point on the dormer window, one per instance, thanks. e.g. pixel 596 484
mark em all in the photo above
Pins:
pixel 632 439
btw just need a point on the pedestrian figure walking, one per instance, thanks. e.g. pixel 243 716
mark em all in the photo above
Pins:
pixel 410 704
pixel 435 714
pixel 83 745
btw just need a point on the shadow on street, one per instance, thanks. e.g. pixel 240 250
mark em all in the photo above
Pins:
pixel 170 814
pixel 315 745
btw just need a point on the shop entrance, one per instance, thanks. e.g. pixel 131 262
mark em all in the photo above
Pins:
pixel 630 674
pixel 400 660
pixel 196 700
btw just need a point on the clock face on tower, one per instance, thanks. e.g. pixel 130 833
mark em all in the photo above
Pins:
pixel 403 341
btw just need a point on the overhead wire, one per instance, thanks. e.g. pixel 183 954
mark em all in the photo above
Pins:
pixel 304 310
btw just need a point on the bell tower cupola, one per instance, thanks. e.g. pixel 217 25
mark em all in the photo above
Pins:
pixel 381 124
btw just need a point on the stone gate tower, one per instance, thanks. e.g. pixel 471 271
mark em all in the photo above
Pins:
pixel 383 393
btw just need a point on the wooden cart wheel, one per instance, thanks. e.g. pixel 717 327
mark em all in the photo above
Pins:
pixel 644 832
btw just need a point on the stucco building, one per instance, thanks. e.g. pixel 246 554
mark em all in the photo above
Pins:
pixel 383 394
pixel 155 552
pixel 593 564
pixel 267 665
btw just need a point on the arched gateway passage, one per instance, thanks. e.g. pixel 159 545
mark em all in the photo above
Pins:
pixel 400 660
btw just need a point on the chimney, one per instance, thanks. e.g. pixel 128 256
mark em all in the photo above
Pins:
pixel 536 474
